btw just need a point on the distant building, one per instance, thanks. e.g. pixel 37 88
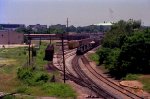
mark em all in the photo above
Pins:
pixel 58 26
pixel 11 26
pixel 11 37
pixel 104 26
pixel 37 27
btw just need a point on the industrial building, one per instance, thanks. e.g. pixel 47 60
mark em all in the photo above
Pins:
pixel 11 26
pixel 11 37
pixel 104 26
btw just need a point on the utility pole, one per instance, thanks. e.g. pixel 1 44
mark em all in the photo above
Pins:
pixel 63 57
pixel 64 70
pixel 29 41
pixel 8 38
pixel 67 28
pixel 67 25
pixel 50 38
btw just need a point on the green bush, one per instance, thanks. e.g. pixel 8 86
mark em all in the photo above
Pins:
pixel 24 73
pixel 22 89
pixel 103 53
pixel 94 57
pixel 9 97
pixel 131 77
pixel 31 77
pixel 42 77
pixel 111 59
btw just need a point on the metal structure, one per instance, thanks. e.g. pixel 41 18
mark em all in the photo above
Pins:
pixel 29 42
pixel 63 57
pixel 64 70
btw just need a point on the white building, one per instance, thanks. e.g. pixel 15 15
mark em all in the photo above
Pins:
pixel 104 26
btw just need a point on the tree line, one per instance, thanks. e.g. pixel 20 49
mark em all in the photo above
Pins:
pixel 125 49
pixel 61 29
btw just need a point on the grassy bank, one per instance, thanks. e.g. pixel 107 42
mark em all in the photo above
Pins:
pixel 94 57
pixel 13 59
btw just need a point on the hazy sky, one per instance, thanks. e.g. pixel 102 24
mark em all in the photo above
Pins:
pixel 79 12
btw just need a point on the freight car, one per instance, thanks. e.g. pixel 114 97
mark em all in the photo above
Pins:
pixel 76 43
pixel 86 47
pixel 73 44
pixel 49 52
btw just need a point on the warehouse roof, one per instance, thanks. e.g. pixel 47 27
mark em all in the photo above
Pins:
pixel 104 24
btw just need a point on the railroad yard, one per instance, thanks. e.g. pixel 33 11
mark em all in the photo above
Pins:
pixel 74 49
pixel 91 82
pixel 85 78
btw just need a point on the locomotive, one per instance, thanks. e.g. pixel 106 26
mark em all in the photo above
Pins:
pixel 86 47
pixel 83 45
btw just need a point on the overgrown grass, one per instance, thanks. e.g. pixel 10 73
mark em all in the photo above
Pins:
pixel 94 57
pixel 59 90
pixel 12 58
pixel 131 77
pixel 18 97
pixel 35 84
pixel 146 82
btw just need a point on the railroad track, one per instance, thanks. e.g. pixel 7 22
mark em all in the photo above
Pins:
pixel 88 82
pixel 92 85
pixel 68 53
pixel 69 74
pixel 79 80
pixel 108 82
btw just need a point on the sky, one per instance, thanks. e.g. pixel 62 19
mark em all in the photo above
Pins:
pixel 79 12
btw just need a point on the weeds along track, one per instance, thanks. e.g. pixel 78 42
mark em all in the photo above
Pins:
pixel 108 82
pixel 90 83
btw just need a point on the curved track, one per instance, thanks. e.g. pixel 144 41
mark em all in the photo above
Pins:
pixel 93 86
pixel 69 73
pixel 83 80
pixel 108 82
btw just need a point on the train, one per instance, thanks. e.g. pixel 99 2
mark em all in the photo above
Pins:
pixel 83 45
pixel 76 43
pixel 86 47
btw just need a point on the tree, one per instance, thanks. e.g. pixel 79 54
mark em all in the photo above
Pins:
pixel 57 28
pixel 128 46
pixel 119 32
pixel 1 27
pixel 71 29
pixel 135 53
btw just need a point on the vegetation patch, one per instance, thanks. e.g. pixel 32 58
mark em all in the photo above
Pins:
pixel 132 77
pixel 145 79
pixel 94 57
pixel 125 49
pixel 22 78
pixel 7 61
pixel 59 90
pixel 31 77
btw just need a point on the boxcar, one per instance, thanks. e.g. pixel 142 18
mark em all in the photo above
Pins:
pixel 49 52
pixel 73 44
